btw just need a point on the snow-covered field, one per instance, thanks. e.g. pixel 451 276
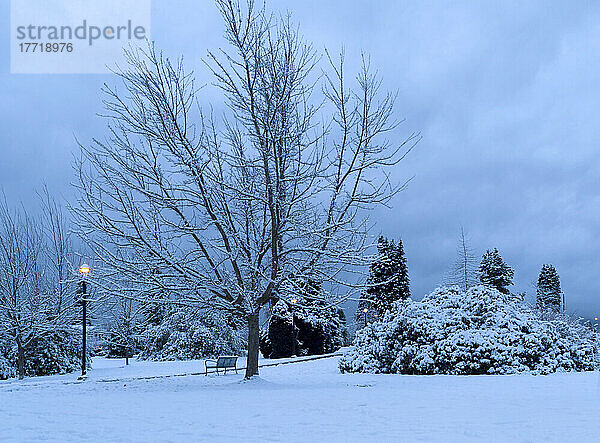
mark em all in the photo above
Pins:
pixel 308 401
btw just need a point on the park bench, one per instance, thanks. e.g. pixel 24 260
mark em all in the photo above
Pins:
pixel 223 362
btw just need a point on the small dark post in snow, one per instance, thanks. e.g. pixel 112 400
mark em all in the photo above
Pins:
pixel 294 338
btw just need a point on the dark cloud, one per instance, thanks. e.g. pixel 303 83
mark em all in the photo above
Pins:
pixel 504 93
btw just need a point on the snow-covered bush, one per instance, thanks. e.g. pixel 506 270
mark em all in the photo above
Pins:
pixel 6 369
pixel 279 340
pixel 265 345
pixel 480 331
pixel 185 335
pixel 321 329
pixel 118 346
pixel 315 328
pixel 56 352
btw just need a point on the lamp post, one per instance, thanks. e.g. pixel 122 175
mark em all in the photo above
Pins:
pixel 293 302
pixel 365 310
pixel 83 271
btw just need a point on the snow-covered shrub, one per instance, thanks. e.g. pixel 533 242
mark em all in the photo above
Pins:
pixel 118 346
pixel 185 335
pixel 266 348
pixel 316 328
pixel 321 329
pixel 480 331
pixel 278 341
pixel 6 369
pixel 54 353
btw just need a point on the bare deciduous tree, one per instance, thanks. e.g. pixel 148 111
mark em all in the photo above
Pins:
pixel 19 279
pixel 36 277
pixel 464 269
pixel 225 218
pixel 59 256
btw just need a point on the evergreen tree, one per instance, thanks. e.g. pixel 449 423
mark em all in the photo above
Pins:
pixel 548 289
pixel 388 280
pixel 308 325
pixel 494 272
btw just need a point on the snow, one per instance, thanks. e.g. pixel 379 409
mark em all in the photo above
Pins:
pixel 297 402
pixel 478 331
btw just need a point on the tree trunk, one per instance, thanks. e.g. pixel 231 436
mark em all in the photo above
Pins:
pixel 253 344
pixel 20 360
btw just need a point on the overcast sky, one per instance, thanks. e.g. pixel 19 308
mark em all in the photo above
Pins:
pixel 505 95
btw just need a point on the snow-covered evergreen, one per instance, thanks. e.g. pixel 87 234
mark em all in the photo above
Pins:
pixel 480 331
pixel 549 294
pixel 494 272
pixel 388 280
pixel 188 333
pixel 55 352
pixel 306 327
pixel 6 369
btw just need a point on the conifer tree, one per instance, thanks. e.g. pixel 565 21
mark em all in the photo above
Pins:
pixel 388 279
pixel 308 325
pixel 494 272
pixel 548 289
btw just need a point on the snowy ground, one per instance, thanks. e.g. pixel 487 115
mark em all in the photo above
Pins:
pixel 308 401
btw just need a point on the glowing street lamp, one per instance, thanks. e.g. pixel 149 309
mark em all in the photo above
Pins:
pixel 84 270
pixel 365 310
